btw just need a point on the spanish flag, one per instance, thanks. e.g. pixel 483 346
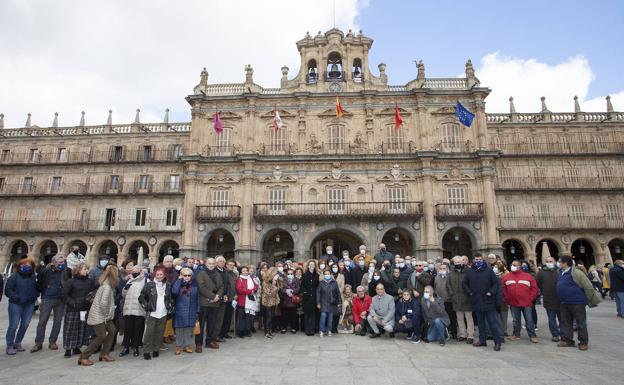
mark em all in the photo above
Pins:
pixel 339 109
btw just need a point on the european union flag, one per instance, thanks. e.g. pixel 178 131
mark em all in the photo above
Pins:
pixel 463 114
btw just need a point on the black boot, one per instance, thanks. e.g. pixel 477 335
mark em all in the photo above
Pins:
pixel 147 356
pixel 155 354
pixel 136 352
pixel 68 353
pixel 124 352
pixel 76 351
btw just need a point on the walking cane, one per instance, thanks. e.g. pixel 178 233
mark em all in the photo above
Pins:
pixel 235 312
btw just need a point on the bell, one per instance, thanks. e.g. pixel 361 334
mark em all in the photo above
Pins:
pixel 356 72
pixel 333 72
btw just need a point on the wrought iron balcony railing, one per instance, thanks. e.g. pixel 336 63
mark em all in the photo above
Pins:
pixel 558 183
pixel 88 157
pixel 218 213
pixel 558 148
pixel 561 222
pixel 91 188
pixel 459 211
pixel 63 225
pixel 276 211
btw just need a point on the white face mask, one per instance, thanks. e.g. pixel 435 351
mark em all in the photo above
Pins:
pixel 335 269
pixel 178 268
pixel 550 265
pixel 371 269
pixel 322 266
pixel 400 265
pixel 280 269
pixel 426 296
pixel 514 268
pixel 495 270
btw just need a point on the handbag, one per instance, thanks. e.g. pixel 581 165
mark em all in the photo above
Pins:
pixel 196 328
pixel 296 299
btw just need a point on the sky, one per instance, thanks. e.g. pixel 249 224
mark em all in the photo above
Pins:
pixel 69 56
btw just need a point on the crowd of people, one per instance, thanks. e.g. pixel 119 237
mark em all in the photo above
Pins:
pixel 195 304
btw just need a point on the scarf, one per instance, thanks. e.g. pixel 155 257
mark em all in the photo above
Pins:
pixel 250 306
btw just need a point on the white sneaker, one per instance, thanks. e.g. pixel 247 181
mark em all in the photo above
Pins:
pixel 329 334
pixel 321 334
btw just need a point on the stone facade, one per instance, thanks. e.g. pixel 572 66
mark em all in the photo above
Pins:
pixel 431 187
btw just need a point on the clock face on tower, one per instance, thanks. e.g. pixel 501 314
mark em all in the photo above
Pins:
pixel 335 87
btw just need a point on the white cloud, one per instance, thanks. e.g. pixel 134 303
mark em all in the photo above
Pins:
pixel 70 55
pixel 527 80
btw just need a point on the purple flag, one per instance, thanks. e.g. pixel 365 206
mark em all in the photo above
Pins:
pixel 218 126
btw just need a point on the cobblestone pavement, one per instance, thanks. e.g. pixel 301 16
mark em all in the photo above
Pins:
pixel 341 359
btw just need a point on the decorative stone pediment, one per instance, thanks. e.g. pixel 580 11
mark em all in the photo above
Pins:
pixel 271 114
pixel 395 175
pixel 331 113
pixel 455 174
pixel 227 115
pixel 444 111
pixel 220 177
pixel 278 177
pixel 336 175
pixel 391 112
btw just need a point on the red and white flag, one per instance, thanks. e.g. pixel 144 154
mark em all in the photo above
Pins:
pixel 398 120
pixel 277 120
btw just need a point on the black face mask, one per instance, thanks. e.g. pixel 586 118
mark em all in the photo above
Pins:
pixel 135 275
pixel 459 267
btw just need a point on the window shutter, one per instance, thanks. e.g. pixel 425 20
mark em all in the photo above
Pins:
pixel 106 185
pixel 111 153
pixel 123 152
pixel 150 183
pixel 148 219
pixel 101 219
pixel 120 189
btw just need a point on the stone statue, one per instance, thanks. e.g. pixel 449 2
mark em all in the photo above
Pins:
pixel 421 71
pixel 313 145
pixel 358 143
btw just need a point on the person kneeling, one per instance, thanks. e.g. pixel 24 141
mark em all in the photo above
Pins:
pixel 407 317
pixel 435 317
pixel 381 312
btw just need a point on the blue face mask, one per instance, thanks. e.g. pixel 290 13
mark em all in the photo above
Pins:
pixel 61 266
pixel 525 268
pixel 26 268
pixel 103 263
pixel 478 264
pixel 327 277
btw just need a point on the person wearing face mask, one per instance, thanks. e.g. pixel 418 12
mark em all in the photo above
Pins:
pixel 383 255
pixel 407 317
pixel 530 268
pixel 21 290
pixel 156 299
pixel 502 307
pixel 210 287
pixel 103 261
pixel 368 277
pixel 74 295
pixel 328 302
pixel 440 284
pixel 420 277
pixel 186 296
pixel 547 283
pixel 289 300
pixel 519 291
pixel 50 284
pixel 359 271
pixel 246 291
pixel 405 269
pixel 616 281
pixel 270 299
pixel 460 301
pixel 481 285
pixel 133 312
pixel 171 274
pixel 309 284
pixel 74 257
pixel 329 255
pixel 434 316
pixel 339 277
pixel 375 280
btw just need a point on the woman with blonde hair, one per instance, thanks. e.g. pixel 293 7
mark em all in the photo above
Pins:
pixel 269 299
pixel 101 316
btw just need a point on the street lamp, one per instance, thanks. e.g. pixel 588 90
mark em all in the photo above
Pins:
pixel 277 238
pixel 456 237
pixel 617 249
pixel 512 249
pixel 396 237
pixel 107 251
pixel 220 238
pixel 48 250
pixel 19 250
pixel 582 248
pixel 169 251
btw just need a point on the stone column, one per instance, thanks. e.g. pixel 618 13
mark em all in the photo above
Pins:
pixel 191 188
pixel 428 232
pixel 481 127
pixel 601 258
pixel 489 200
pixel 247 234
pixel 531 256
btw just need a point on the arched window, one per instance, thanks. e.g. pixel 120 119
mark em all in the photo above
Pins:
pixel 450 137
pixel 334 67
pixel 312 72
pixel 357 71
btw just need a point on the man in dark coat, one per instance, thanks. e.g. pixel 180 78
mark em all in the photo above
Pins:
pixel 229 296
pixel 210 287
pixel 309 284
pixel 481 285
pixel 547 282
pixel 616 276
pixel 50 284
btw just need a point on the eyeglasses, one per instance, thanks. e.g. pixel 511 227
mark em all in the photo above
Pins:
pixel 187 275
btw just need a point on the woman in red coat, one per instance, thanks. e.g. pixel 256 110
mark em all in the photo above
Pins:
pixel 246 289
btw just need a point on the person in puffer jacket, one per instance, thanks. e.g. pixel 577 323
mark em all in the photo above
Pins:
pixel 519 291
pixel 133 312
pixel 156 300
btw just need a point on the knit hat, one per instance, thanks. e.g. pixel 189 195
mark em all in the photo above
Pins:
pixel 55 259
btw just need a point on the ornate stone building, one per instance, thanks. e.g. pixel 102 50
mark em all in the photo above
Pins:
pixel 511 183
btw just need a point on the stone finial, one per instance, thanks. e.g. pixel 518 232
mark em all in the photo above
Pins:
pixel 512 107
pixel 203 78
pixel 382 68
pixel 82 119
pixel 544 108
pixel 469 69
pixel 1 121
pixel 109 120
pixel 55 120
pixel 166 118
pixel 137 117
pixel 285 72
pixel 609 105
pixel 307 35
pixel 248 74
pixel 420 66
pixel 28 123
pixel 577 106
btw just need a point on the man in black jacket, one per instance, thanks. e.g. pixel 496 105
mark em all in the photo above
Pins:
pixel 547 282
pixel 616 276
pixel 50 284
pixel 229 294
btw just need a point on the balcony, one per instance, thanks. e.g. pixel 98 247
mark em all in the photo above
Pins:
pixel 337 210
pixel 16 158
pixel 77 226
pixel 219 151
pixel 560 148
pixel 561 223
pixel 558 183
pixel 65 189
pixel 459 211
pixel 218 213
pixel 277 149
pixel 397 147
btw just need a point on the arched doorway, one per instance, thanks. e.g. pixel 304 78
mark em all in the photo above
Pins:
pixel 582 251
pixel 512 250
pixel 546 245
pixel 108 248
pixel 398 241
pixel 133 250
pixel 616 248
pixel 19 250
pixel 339 239
pixel 456 241
pixel 81 246
pixel 278 245
pixel 168 248
pixel 47 251
pixel 221 242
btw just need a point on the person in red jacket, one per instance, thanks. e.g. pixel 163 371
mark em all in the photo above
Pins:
pixel 519 291
pixel 246 290
pixel 361 304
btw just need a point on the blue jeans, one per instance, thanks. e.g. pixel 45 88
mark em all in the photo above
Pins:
pixel 554 322
pixel 19 316
pixel 436 331
pixel 619 302
pixel 326 321
pixel 516 314
pixel 492 322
